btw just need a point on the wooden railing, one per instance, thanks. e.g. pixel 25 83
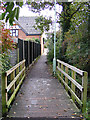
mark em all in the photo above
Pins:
pixel 11 81
pixel 73 78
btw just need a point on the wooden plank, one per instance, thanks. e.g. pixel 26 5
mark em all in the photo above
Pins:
pixel 66 79
pixel 71 67
pixel 17 72
pixel 15 67
pixel 72 85
pixel 24 72
pixel 58 64
pixel 21 70
pixel 15 79
pixel 12 75
pixel 13 95
pixel 84 93
pixel 71 79
pixel 4 93
pixel 61 72
pixel 74 95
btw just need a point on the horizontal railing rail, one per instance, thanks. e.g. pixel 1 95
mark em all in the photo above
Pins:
pixel 11 81
pixel 69 77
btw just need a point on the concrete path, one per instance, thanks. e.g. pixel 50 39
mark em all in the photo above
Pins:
pixel 41 95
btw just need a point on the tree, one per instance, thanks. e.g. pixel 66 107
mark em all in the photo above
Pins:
pixel 77 39
pixel 10 11
pixel 6 39
pixel 69 9
pixel 74 49
pixel 43 24
pixel 6 44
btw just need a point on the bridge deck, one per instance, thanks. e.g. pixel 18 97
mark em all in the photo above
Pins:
pixel 41 95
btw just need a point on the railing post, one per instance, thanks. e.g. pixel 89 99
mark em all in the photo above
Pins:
pixel 11 79
pixel 84 93
pixel 17 71
pixel 62 73
pixel 17 55
pixel 58 64
pixel 4 94
pixel 23 67
pixel 20 70
pixel 66 79
pixel 72 85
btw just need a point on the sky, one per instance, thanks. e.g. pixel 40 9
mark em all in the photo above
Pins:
pixel 25 11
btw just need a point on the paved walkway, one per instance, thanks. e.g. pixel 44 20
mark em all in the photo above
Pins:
pixel 41 95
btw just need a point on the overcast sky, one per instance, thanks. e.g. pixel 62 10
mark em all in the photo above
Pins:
pixel 25 11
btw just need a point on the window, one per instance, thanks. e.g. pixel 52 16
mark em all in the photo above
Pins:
pixel 14 32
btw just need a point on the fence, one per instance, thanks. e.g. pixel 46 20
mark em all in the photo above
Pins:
pixel 13 54
pixel 73 80
pixel 11 81
pixel 29 51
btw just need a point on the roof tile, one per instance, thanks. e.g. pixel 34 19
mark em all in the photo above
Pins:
pixel 27 23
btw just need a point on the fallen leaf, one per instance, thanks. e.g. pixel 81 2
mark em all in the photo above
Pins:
pixel 57 105
pixel 16 103
pixel 40 107
pixel 20 95
pixel 81 116
pixel 59 113
pixel 72 117
pixel 44 109
pixel 14 112
pixel 45 98
pixel 65 110
pixel 55 117
pixel 53 97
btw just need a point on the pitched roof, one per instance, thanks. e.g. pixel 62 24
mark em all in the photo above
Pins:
pixel 27 24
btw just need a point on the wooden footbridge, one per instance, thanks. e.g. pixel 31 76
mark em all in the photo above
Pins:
pixel 42 96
